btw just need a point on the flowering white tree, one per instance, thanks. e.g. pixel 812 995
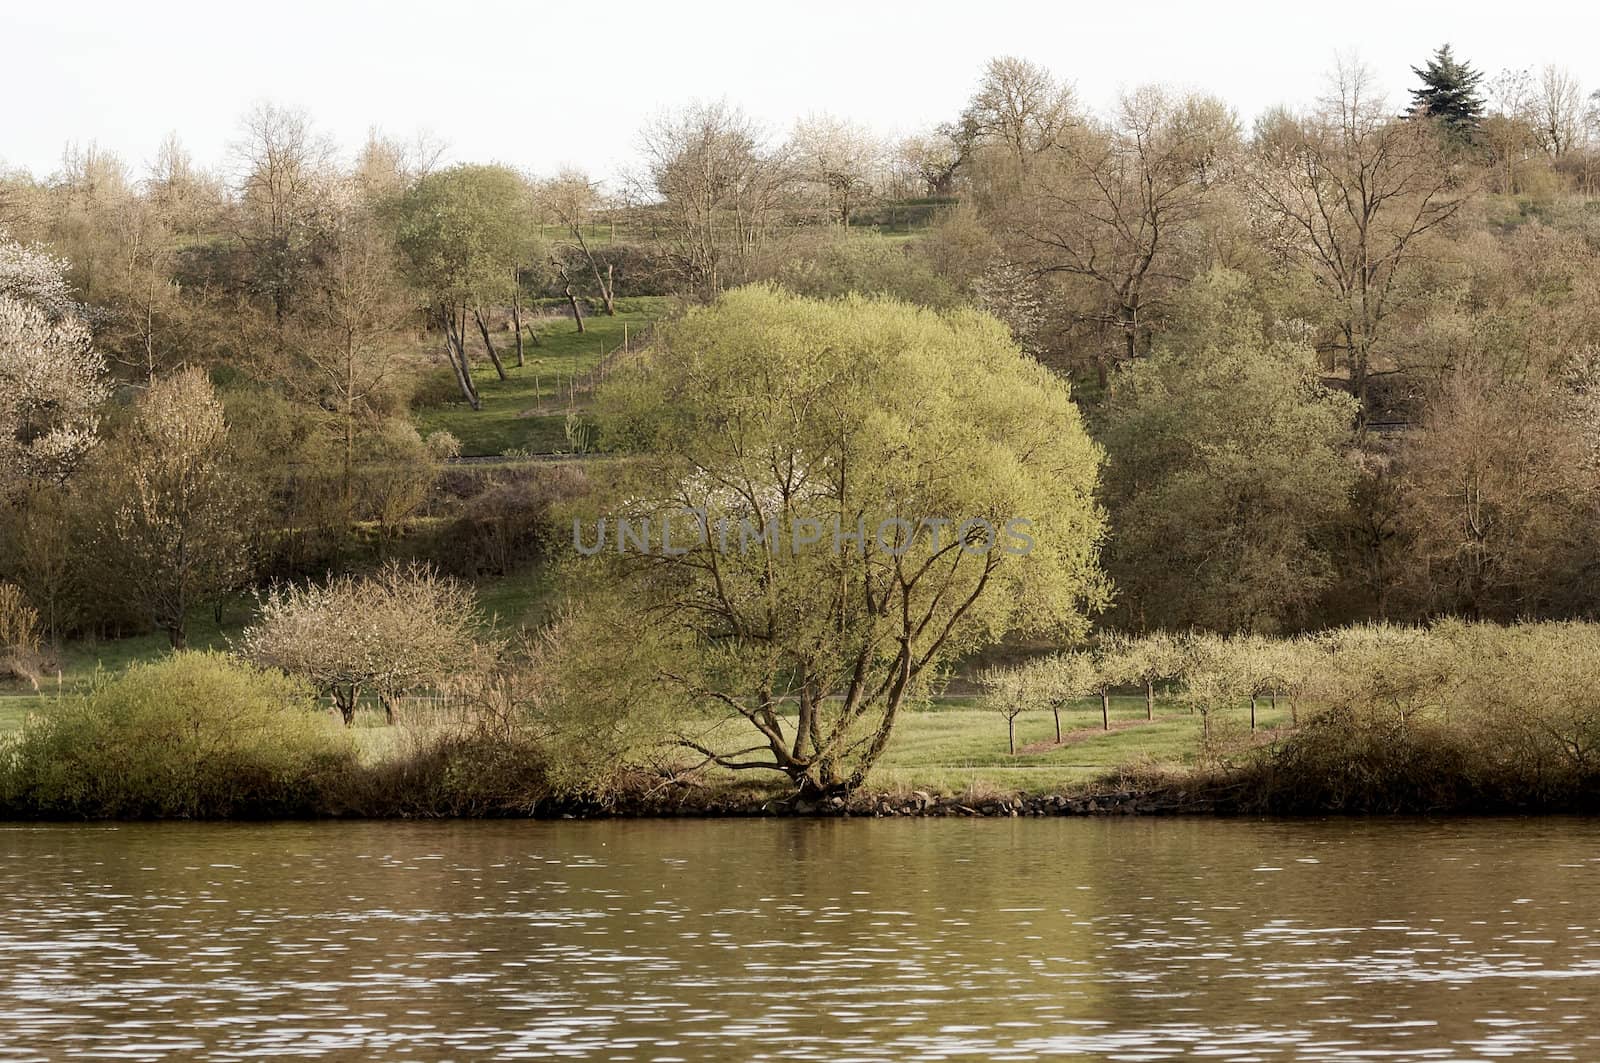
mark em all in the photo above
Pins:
pixel 33 276
pixel 52 383
pixel 404 627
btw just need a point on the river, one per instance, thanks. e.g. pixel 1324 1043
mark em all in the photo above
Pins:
pixel 938 939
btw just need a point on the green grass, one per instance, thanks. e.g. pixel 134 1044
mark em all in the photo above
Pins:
pixel 947 747
pixel 524 412
pixel 952 746
pixel 521 600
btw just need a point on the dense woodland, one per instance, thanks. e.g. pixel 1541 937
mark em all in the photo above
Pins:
pixel 1333 363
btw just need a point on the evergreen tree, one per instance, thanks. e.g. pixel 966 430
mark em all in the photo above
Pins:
pixel 1449 93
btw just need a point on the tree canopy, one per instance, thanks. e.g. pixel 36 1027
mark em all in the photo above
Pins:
pixel 854 492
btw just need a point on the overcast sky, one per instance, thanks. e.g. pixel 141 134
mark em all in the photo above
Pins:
pixel 540 85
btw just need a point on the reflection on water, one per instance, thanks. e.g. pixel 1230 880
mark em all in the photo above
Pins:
pixel 802 940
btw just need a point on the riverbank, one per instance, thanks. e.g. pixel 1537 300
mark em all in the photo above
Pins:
pixel 203 736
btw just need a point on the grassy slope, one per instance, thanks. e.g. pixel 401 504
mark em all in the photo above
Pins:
pixel 523 412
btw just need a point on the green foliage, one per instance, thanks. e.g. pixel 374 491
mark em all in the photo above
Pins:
pixel 463 230
pixel 785 416
pixel 1226 467
pixel 841 262
pixel 192 735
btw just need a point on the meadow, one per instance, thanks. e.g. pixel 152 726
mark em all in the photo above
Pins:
pixel 528 413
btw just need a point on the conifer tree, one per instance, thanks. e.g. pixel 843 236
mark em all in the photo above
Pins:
pixel 1449 93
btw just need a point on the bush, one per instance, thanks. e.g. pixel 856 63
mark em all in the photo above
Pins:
pixel 194 735
pixel 20 650
pixel 1457 717
pixel 459 771
pixel 508 523
pixel 483 753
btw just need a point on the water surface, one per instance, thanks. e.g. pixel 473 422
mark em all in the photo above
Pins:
pixel 1042 939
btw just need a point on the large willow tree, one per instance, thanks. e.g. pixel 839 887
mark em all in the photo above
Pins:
pixel 842 497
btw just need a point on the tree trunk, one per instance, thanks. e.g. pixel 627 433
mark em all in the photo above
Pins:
pixel 1105 709
pixel 572 300
pixel 603 283
pixel 1149 700
pixel 456 354
pixel 1056 711
pixel 516 323
pixel 1011 733
pixel 345 698
pixel 1252 712
pixel 488 345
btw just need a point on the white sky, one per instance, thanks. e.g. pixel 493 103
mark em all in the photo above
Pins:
pixel 539 85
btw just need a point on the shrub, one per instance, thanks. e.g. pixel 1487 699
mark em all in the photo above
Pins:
pixel 19 621
pixel 194 735
pixel 505 520
pixel 20 656
pixel 484 752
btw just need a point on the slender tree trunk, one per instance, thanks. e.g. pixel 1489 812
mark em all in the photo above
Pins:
pixel 603 283
pixel 1252 712
pixel 488 345
pixel 1011 733
pixel 1105 709
pixel 1056 711
pixel 1149 700
pixel 456 354
pixel 349 425
pixel 516 322
pixel 572 300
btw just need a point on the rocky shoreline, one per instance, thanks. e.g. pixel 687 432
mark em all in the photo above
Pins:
pixel 917 803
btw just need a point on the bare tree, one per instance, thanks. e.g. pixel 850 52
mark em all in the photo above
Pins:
pixel 282 165
pixel 1117 200
pixel 1346 192
pixel 1558 111
pixel 401 629
pixel 352 303
pixel 715 192
pixel 1020 106
pixel 574 199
